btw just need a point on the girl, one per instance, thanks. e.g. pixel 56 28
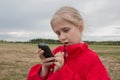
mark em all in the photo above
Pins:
pixel 73 60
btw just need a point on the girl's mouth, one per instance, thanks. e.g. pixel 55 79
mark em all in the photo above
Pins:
pixel 66 43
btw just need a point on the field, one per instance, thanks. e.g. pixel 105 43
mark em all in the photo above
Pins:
pixel 17 58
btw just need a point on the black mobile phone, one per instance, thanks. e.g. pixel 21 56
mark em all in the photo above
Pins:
pixel 47 52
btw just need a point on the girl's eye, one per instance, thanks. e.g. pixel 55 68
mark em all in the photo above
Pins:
pixel 66 30
pixel 58 33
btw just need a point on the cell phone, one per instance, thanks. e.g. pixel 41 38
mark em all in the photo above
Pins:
pixel 47 52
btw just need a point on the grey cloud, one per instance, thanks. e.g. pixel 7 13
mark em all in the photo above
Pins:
pixel 34 15
pixel 27 14
pixel 108 14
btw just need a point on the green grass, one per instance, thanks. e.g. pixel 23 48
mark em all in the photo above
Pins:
pixel 17 58
pixel 107 50
pixel 110 55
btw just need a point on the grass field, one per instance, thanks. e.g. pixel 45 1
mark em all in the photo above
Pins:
pixel 16 59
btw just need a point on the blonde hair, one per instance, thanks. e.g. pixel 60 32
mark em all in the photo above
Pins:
pixel 69 14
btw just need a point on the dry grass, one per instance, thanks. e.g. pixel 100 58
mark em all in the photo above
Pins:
pixel 110 55
pixel 16 59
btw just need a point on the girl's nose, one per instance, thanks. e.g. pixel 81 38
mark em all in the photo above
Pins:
pixel 62 37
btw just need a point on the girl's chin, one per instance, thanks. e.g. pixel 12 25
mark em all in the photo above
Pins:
pixel 66 44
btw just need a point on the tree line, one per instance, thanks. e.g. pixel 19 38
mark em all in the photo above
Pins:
pixel 52 41
pixel 103 42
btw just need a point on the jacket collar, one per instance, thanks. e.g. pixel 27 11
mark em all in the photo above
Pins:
pixel 75 50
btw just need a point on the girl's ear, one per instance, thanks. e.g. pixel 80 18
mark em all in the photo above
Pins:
pixel 81 26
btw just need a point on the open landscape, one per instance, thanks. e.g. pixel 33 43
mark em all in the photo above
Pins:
pixel 17 58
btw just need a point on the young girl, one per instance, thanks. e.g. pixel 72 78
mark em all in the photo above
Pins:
pixel 73 60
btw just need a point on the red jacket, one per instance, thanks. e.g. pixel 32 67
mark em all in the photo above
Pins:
pixel 81 64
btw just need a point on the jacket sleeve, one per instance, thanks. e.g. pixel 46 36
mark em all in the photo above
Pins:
pixel 33 74
pixel 97 71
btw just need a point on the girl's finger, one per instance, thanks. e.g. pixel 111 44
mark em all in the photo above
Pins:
pixel 58 59
pixel 57 63
pixel 48 60
pixel 57 66
pixel 60 54
pixel 40 53
pixel 48 63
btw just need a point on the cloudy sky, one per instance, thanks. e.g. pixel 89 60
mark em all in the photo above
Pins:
pixel 22 20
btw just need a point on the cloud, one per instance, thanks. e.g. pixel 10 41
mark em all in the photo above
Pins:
pixel 26 35
pixel 27 19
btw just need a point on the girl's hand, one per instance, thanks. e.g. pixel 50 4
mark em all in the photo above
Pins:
pixel 46 62
pixel 59 61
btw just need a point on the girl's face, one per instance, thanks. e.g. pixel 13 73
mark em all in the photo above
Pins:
pixel 67 32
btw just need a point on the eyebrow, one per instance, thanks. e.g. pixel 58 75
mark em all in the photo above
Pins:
pixel 62 28
pixel 65 28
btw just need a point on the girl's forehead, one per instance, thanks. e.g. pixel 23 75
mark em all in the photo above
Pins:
pixel 59 21
pixel 62 25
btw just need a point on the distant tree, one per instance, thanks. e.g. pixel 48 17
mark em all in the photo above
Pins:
pixel 49 41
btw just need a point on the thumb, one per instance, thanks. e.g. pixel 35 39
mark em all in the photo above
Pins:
pixel 62 53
